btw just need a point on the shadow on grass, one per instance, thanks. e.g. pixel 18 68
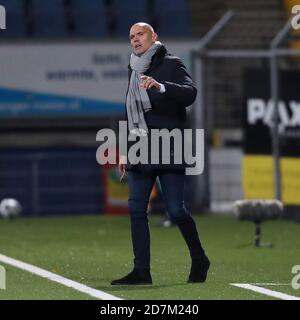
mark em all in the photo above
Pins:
pixel 117 288
pixel 252 245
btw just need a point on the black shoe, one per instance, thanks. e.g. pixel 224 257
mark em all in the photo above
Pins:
pixel 199 269
pixel 135 277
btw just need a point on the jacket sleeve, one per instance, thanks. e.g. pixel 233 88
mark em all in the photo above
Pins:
pixel 181 88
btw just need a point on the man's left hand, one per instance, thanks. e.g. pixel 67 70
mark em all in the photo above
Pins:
pixel 149 82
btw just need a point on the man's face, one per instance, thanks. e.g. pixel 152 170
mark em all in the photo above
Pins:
pixel 141 39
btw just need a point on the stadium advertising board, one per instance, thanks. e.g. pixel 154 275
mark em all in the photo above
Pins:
pixel 68 79
pixel 258 180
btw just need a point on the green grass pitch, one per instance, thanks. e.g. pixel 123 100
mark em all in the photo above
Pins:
pixel 94 249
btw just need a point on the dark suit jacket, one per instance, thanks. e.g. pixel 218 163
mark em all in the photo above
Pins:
pixel 168 108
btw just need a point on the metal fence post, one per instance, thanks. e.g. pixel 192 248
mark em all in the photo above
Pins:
pixel 35 185
pixel 198 72
pixel 274 85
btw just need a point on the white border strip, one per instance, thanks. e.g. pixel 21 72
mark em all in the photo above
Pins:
pixel 270 284
pixel 267 292
pixel 57 278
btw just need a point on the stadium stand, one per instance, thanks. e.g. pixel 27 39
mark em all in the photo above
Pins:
pixel 128 12
pixel 94 18
pixel 15 19
pixel 89 18
pixel 48 18
pixel 253 27
pixel 172 20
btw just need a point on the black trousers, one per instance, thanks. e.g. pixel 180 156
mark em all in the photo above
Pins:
pixel 172 182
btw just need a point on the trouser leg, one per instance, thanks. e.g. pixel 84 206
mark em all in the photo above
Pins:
pixel 140 185
pixel 173 192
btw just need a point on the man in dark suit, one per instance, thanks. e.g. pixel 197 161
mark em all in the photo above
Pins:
pixel 158 93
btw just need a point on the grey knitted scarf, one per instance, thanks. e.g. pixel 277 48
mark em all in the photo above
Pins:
pixel 137 101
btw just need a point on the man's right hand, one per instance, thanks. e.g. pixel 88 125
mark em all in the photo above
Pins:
pixel 122 162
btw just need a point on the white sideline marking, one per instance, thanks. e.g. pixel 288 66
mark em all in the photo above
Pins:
pixel 267 292
pixel 57 278
pixel 270 284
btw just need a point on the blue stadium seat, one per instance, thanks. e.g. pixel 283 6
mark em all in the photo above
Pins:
pixel 88 5
pixel 48 18
pixel 89 18
pixel 172 20
pixel 127 13
pixel 13 5
pixel 51 6
pixel 15 19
